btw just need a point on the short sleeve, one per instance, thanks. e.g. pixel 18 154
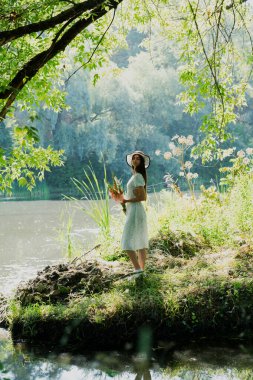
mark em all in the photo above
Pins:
pixel 139 180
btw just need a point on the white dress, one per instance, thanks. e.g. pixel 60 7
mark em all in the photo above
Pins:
pixel 135 233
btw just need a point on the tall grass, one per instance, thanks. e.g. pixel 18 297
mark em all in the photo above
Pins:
pixel 96 197
pixel 240 205
pixel 219 217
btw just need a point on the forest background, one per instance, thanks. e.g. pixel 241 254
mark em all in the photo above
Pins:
pixel 132 96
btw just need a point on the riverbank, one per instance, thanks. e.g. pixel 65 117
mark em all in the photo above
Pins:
pixel 198 281
pixel 188 291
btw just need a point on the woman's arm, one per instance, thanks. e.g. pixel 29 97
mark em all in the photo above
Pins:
pixel 140 195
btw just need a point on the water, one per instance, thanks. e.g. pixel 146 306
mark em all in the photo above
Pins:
pixel 192 362
pixel 34 234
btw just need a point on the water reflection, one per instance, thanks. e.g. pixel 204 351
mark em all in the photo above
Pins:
pixel 195 362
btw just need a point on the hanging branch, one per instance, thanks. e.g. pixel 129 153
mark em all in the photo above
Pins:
pixel 78 9
pixel 94 51
pixel 212 71
pixel 30 69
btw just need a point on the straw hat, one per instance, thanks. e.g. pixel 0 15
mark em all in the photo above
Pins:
pixel 140 153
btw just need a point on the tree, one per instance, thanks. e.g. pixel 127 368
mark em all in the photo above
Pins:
pixel 47 37
pixel 32 36
pixel 208 37
pixel 215 39
pixel 41 30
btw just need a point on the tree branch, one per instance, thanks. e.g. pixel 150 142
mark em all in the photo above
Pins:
pixel 229 6
pixel 30 69
pixel 94 51
pixel 76 10
pixel 212 70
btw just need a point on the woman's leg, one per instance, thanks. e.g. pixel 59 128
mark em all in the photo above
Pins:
pixel 142 254
pixel 133 257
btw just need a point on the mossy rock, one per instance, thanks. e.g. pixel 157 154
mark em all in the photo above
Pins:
pixel 177 243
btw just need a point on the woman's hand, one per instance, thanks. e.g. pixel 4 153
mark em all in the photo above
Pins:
pixel 117 197
pixel 120 198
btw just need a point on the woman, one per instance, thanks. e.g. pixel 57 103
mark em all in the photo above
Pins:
pixel 135 234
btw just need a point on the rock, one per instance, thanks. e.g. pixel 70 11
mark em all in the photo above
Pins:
pixel 58 283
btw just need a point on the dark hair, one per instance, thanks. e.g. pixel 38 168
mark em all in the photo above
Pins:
pixel 141 169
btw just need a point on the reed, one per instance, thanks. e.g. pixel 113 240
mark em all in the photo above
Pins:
pixel 96 197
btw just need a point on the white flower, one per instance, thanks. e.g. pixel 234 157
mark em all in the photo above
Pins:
pixel 181 174
pixel 174 137
pixel 172 145
pixel 249 150
pixel 246 160
pixel 195 175
pixel 182 140
pixel 176 151
pixel 157 152
pixel 241 154
pixel 189 175
pixel 189 140
pixel 227 152
pixel 188 164
pixel 167 155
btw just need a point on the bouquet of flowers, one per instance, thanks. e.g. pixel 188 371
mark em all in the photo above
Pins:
pixel 116 191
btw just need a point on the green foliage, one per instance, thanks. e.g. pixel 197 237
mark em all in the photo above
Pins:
pixel 26 162
pixel 214 64
pixel 202 46
pixel 110 249
pixel 242 165
pixel 178 243
pixel 240 205
pixel 209 40
pixel 217 217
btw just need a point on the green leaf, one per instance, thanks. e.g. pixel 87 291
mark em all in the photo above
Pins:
pixel 22 181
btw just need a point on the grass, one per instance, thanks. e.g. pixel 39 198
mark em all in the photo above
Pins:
pixel 217 218
pixel 198 282
pixel 203 295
